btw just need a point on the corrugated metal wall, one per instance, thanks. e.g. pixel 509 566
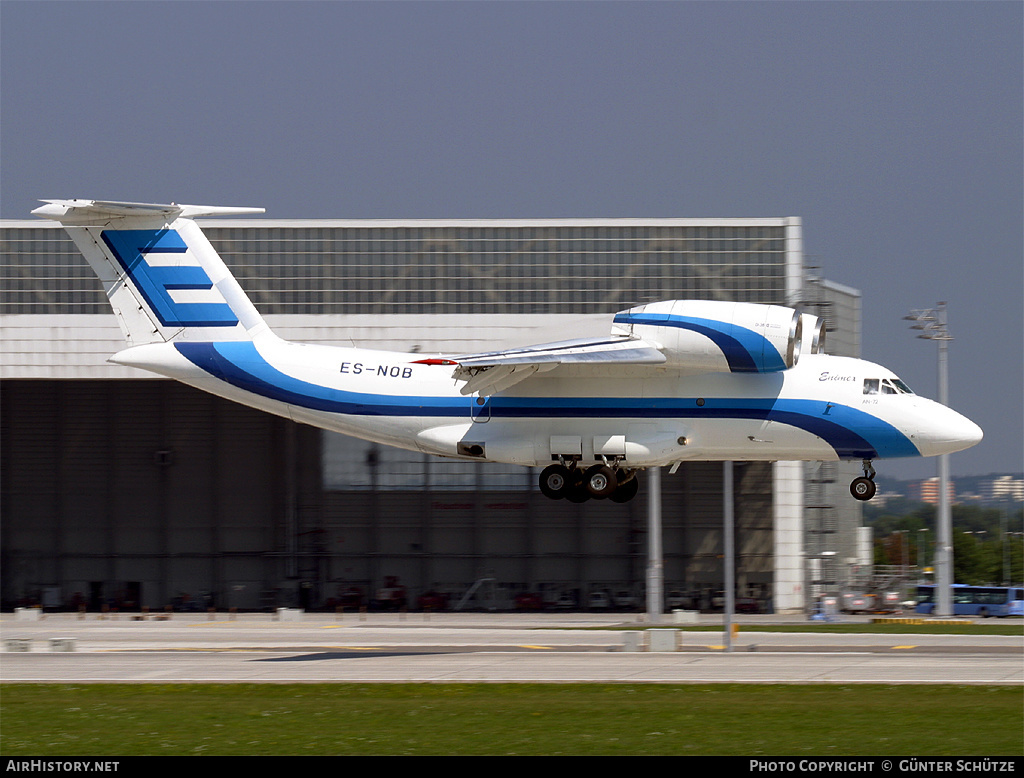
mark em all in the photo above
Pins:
pixel 152 493
pixel 148 482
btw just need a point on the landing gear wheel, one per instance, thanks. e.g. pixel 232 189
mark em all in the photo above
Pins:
pixel 555 481
pixel 577 493
pixel 626 491
pixel 600 481
pixel 624 475
pixel 862 488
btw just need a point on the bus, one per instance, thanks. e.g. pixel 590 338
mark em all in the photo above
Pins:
pixel 983 601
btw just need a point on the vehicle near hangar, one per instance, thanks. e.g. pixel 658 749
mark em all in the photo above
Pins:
pixel 980 601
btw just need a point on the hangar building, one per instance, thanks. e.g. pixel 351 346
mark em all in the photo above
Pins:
pixel 121 489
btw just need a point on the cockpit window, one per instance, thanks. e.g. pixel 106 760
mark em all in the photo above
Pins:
pixel 885 386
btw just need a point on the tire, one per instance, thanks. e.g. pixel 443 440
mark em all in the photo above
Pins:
pixel 626 491
pixel 577 494
pixel 600 481
pixel 555 482
pixel 862 488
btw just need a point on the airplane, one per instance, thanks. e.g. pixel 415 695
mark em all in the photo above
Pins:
pixel 673 381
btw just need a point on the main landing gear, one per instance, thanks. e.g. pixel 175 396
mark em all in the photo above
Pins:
pixel 602 481
pixel 863 488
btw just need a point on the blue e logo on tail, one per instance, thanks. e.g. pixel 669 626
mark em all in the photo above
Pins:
pixel 130 248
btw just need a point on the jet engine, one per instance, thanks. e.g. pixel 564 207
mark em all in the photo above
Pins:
pixel 724 337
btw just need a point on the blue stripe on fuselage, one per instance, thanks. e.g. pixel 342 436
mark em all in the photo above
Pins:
pixel 852 433
pixel 239 363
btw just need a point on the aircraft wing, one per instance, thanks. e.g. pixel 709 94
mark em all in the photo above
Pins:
pixel 492 371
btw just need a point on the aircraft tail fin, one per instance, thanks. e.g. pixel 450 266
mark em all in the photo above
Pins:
pixel 164 279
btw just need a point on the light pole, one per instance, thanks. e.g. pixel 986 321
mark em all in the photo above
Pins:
pixel 932 324
pixel 655 560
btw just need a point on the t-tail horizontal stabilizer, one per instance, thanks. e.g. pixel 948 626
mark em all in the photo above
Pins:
pixel 102 211
pixel 164 279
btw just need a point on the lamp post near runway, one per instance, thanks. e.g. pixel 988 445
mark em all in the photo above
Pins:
pixel 932 324
pixel 728 523
pixel 655 560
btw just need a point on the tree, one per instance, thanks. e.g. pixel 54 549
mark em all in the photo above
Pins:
pixel 988 543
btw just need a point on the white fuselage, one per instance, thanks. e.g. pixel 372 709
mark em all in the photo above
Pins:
pixel 640 416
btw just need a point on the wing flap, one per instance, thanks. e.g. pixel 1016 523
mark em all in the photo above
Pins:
pixel 491 372
pixel 488 381
pixel 620 350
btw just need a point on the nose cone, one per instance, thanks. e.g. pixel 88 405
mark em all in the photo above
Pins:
pixel 945 431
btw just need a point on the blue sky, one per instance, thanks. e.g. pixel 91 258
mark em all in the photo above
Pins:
pixel 893 129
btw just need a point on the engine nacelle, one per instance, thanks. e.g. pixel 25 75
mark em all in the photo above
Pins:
pixel 722 337
pixel 814 334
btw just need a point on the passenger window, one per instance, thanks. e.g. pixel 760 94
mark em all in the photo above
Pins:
pixel 870 386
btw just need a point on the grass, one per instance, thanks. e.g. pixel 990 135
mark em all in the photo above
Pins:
pixel 510 719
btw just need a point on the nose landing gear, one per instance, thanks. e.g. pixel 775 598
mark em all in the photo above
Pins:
pixel 863 488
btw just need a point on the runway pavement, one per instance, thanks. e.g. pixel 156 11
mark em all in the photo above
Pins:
pixel 481 647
